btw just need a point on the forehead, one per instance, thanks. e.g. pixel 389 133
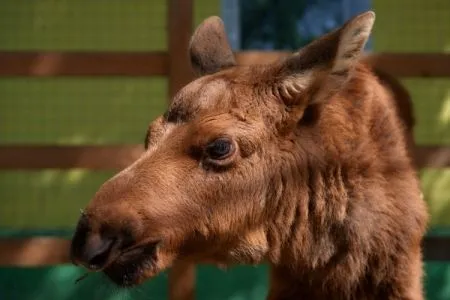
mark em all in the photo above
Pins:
pixel 205 94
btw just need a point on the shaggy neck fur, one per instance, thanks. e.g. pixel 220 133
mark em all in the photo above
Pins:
pixel 316 234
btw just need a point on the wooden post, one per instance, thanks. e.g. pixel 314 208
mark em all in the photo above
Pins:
pixel 180 25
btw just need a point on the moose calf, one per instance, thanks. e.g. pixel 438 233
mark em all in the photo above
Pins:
pixel 301 163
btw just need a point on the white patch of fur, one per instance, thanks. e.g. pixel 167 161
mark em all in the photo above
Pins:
pixel 294 85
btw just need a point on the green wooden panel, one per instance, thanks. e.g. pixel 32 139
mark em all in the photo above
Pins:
pixel 238 283
pixel 437 280
pixel 58 283
pixel 79 110
pixel 132 25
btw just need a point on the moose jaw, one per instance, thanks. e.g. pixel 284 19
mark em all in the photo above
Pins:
pixel 301 163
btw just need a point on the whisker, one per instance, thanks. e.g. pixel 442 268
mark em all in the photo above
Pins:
pixel 82 277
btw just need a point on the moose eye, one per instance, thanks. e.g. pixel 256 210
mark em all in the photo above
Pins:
pixel 219 149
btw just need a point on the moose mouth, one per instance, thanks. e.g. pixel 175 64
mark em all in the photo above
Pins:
pixel 133 266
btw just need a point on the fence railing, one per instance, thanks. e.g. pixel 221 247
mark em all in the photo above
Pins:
pixel 173 64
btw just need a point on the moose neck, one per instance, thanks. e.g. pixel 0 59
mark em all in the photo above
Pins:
pixel 309 227
pixel 316 235
pixel 311 241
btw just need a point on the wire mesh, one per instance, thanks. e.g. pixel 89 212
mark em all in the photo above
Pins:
pixel 73 110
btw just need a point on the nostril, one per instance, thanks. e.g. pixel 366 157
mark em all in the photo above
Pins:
pixel 97 256
pixel 92 246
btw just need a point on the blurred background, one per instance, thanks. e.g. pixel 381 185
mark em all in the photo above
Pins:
pixel 80 80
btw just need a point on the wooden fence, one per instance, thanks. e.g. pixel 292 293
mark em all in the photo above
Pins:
pixel 173 64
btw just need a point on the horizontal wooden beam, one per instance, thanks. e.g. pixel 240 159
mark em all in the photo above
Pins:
pixel 432 156
pixel 396 64
pixel 157 63
pixel 44 64
pixel 412 64
pixel 67 157
pixel 44 251
pixel 119 156
pixel 34 252
pixel 436 248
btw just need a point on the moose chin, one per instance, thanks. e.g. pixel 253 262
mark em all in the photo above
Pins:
pixel 302 163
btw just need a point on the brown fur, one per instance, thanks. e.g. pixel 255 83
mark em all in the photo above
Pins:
pixel 317 180
pixel 402 102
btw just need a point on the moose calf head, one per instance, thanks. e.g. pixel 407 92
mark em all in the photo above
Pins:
pixel 224 166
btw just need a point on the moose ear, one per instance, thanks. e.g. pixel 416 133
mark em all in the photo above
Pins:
pixel 323 67
pixel 209 48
